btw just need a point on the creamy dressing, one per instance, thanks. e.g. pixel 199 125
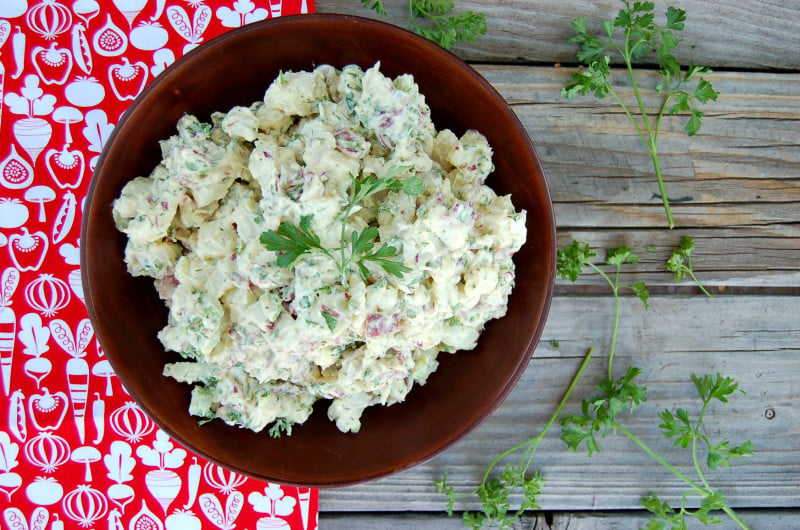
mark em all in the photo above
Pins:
pixel 262 343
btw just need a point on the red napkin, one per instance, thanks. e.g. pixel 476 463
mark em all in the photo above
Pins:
pixel 75 450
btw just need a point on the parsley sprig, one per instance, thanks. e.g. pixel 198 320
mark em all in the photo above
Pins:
pixel 292 242
pixel 681 89
pixel 435 20
pixel 494 493
pixel 680 263
pixel 599 415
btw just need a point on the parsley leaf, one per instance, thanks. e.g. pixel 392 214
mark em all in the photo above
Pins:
pixel 280 427
pixel 436 21
pixel 292 241
pixel 680 263
pixel 642 35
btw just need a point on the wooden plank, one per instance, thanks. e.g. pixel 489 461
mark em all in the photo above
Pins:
pixel 765 260
pixel 752 34
pixel 735 187
pixel 740 170
pixel 774 520
pixel 750 338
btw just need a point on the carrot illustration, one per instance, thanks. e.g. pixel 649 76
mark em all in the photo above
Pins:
pixel 8 324
pixel 77 367
pixel 78 384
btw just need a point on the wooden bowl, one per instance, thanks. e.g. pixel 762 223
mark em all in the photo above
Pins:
pixel 235 69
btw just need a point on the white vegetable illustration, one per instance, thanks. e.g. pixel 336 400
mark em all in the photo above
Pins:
pixel 244 12
pixel 13 213
pixel 15 519
pixel 47 451
pixel 32 133
pixel 81 50
pixel 8 323
pixel 162 483
pixel 274 503
pixel 86 9
pixel 149 36
pixel 40 195
pixel 86 455
pixel 222 518
pixel 47 294
pixel 44 491
pixel 15 171
pixel 226 483
pixel 110 40
pixel 65 218
pixel 98 418
pixel 9 481
pixel 130 422
pixel 120 464
pixel 130 9
pixel 77 367
pixel 97 131
pixel 34 336
pixel 192 31
pixel 17 420
pixel 85 505
pixel 145 520
pixel 49 19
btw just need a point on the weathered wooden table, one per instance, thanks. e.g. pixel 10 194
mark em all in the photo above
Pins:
pixel 735 188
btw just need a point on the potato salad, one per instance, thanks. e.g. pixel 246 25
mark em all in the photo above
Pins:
pixel 326 243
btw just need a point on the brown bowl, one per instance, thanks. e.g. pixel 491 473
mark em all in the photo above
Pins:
pixel 235 69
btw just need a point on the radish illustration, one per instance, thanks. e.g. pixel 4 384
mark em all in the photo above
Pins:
pixel 120 464
pixel 77 367
pixel 33 132
pixel 9 481
pixel 130 9
pixel 8 323
pixel 243 12
pixel 34 336
pixel 274 503
pixel 162 483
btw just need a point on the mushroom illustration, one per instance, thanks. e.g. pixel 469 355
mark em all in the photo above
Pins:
pixel 86 455
pixel 67 115
pixel 103 369
pixel 40 195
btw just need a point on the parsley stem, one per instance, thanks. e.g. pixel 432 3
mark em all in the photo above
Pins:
pixel 615 290
pixel 661 187
pixel 532 444
pixel 695 436
pixel 658 458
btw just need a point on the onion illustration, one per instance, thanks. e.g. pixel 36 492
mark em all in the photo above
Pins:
pixel 85 505
pixel 49 18
pixel 47 294
pixel 130 422
pixel 222 479
pixel 48 451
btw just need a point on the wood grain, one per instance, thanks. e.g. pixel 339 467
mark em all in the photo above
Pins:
pixel 750 34
pixel 627 520
pixel 678 336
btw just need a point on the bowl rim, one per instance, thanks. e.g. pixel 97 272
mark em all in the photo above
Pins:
pixel 207 47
